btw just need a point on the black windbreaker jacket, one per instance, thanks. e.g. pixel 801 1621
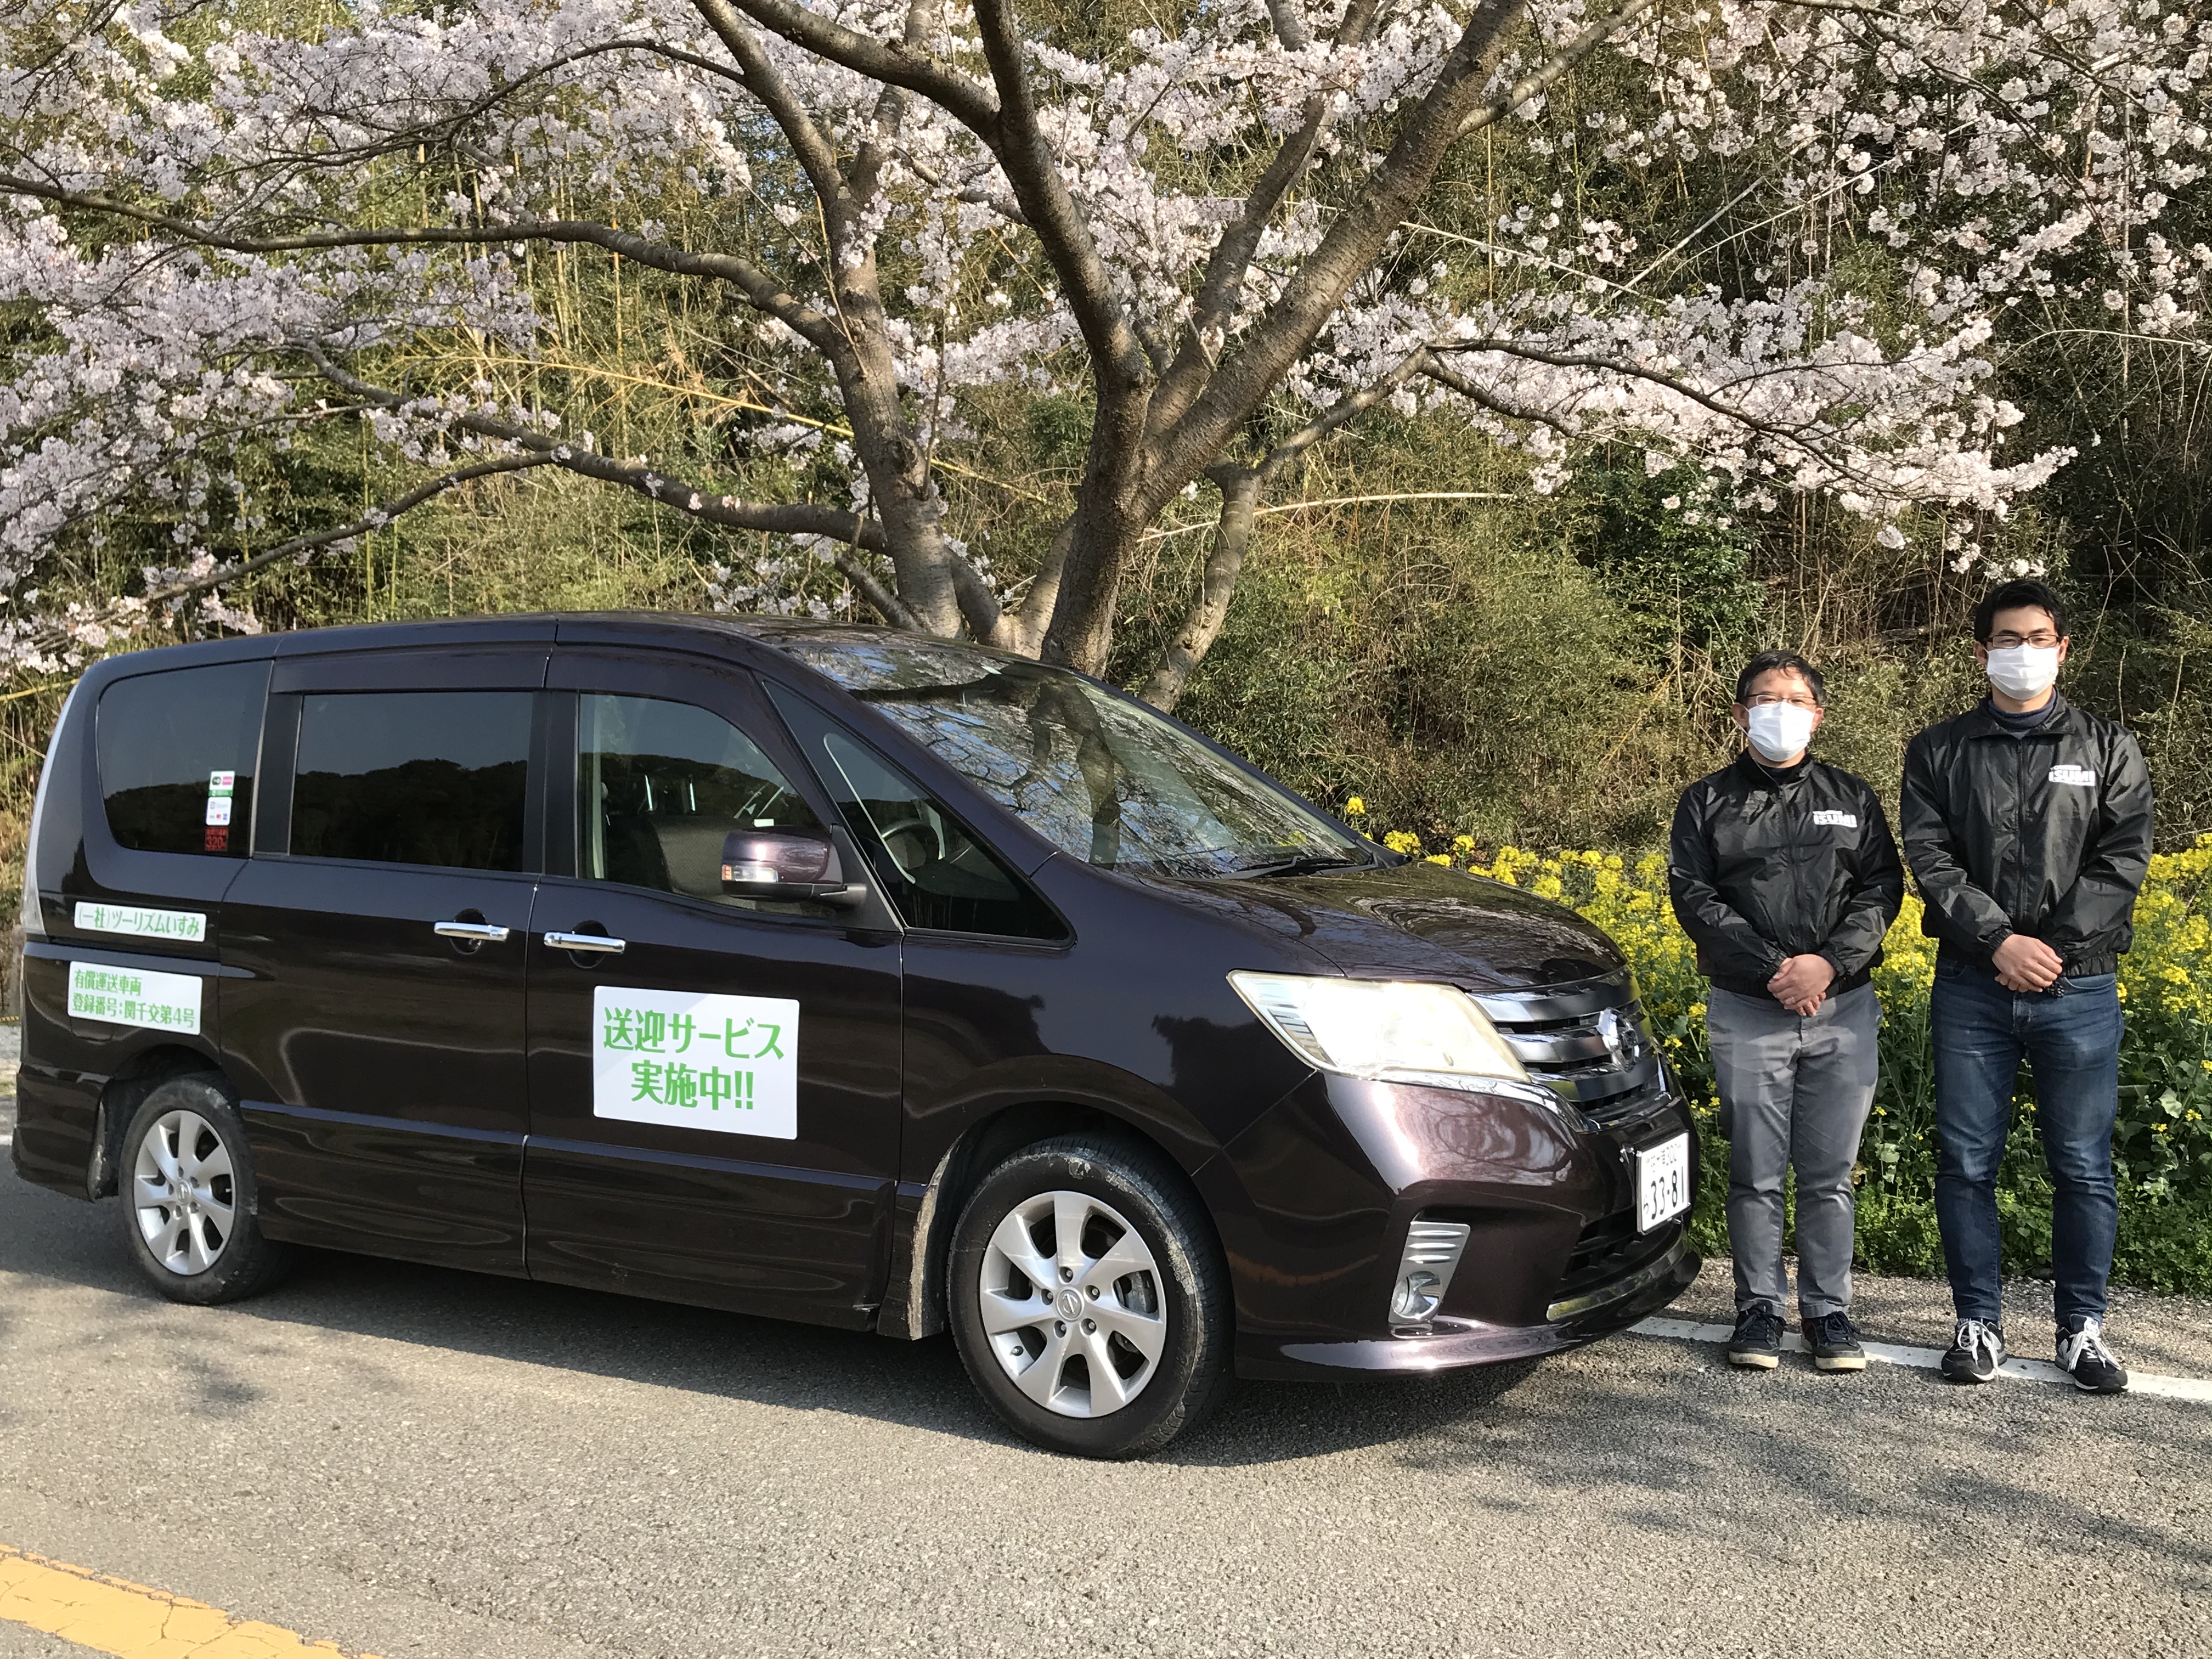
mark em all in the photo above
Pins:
pixel 2046 835
pixel 1764 865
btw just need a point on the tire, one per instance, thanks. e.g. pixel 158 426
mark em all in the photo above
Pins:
pixel 1163 1327
pixel 208 1248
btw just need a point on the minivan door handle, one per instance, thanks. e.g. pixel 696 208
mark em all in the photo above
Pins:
pixel 598 942
pixel 480 932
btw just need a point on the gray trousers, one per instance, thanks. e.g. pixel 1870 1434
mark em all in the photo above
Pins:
pixel 1793 1092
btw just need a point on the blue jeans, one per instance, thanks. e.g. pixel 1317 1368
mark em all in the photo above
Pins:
pixel 2070 1038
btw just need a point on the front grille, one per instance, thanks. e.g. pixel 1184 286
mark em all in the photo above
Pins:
pixel 1611 1262
pixel 1607 1248
pixel 1589 1042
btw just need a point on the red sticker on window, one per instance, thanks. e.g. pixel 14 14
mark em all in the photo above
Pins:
pixel 218 838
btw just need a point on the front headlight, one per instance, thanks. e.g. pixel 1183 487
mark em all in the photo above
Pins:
pixel 1390 1030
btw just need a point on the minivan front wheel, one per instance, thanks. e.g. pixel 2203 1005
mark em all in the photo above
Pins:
pixel 1089 1298
pixel 188 1196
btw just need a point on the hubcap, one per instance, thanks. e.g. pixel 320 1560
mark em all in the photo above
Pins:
pixel 1072 1304
pixel 184 1192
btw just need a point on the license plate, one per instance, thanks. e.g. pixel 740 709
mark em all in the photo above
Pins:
pixel 1662 1183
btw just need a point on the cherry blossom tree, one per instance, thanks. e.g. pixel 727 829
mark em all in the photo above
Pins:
pixel 1214 228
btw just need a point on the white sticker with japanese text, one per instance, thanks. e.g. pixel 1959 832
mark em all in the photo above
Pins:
pixel 187 925
pixel 695 1062
pixel 125 996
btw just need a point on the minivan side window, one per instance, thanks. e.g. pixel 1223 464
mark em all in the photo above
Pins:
pixel 660 785
pixel 177 751
pixel 938 874
pixel 413 777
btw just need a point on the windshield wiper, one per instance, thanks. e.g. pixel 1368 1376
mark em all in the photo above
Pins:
pixel 1303 864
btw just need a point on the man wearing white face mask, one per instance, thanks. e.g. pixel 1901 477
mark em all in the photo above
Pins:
pixel 2027 824
pixel 1782 871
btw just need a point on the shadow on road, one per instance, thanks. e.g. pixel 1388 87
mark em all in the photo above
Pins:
pixel 774 1362
pixel 1644 1432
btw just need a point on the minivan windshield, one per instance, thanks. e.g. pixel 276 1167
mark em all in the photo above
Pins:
pixel 1103 778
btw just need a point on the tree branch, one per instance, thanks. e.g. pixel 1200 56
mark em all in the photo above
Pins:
pixel 375 518
pixel 893 62
pixel 1794 436
pixel 778 518
pixel 1456 381
pixel 1337 414
pixel 1032 169
pixel 815 153
pixel 1023 630
pixel 869 587
pixel 422 132
pixel 1348 249
pixel 1209 608
pixel 1231 260
pixel 1240 489
pixel 761 289
pixel 1541 79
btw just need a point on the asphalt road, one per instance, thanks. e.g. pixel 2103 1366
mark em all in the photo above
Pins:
pixel 411 1462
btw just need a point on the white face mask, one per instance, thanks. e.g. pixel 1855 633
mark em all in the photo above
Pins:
pixel 2024 670
pixel 1779 730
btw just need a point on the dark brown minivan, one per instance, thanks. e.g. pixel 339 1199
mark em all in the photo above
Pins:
pixel 829 973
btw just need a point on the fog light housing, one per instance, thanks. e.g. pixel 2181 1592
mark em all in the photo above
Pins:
pixel 1425 1273
pixel 1418 1297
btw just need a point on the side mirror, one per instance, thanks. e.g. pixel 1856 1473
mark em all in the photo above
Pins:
pixel 785 864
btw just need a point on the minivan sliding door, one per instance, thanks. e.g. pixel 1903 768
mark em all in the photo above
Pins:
pixel 713 1081
pixel 378 1042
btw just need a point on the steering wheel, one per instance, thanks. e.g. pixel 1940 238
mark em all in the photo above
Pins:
pixel 917 823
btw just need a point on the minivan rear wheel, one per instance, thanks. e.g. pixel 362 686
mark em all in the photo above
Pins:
pixel 1089 1298
pixel 188 1196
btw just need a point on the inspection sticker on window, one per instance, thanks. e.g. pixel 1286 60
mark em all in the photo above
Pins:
pixel 186 925
pixel 124 996
pixel 694 1061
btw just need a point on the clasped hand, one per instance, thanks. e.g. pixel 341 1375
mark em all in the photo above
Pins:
pixel 2027 964
pixel 1801 983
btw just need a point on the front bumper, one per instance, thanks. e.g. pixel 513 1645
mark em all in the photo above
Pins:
pixel 1453 1343
pixel 1552 1260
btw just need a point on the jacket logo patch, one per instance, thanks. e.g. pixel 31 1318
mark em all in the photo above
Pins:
pixel 2081 777
pixel 1840 820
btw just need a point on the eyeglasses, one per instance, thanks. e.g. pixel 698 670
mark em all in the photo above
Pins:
pixel 2043 640
pixel 1769 699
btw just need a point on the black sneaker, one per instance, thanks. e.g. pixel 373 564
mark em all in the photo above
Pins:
pixel 1976 1351
pixel 1757 1340
pixel 2083 1355
pixel 1834 1342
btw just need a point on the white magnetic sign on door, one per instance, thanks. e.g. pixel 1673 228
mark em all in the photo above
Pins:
pixel 694 1060
pixel 130 996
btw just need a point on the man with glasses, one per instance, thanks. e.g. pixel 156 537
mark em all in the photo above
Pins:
pixel 2027 824
pixel 1782 872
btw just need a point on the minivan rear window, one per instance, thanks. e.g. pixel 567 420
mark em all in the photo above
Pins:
pixel 176 753
pixel 413 777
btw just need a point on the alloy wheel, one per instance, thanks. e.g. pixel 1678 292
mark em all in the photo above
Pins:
pixel 1072 1304
pixel 185 1192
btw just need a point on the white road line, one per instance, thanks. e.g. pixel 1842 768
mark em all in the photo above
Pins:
pixel 1928 1359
